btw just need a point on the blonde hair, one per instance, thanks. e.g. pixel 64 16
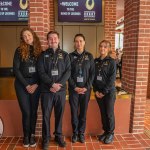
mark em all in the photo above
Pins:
pixel 106 42
pixel 111 53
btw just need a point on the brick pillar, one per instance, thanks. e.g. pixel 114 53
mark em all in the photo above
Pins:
pixel 110 21
pixel 148 89
pixel 52 15
pixel 41 20
pixel 136 58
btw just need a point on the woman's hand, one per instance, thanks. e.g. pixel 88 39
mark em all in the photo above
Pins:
pixel 31 88
pixel 34 87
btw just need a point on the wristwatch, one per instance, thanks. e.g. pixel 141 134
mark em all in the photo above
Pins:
pixel 1 127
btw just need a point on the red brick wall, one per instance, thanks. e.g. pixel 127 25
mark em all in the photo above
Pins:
pixel 136 58
pixel 41 18
pixel 110 21
pixel 52 15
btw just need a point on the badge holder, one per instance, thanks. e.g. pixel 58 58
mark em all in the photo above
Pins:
pixel 54 72
pixel 80 77
pixel 99 77
pixel 31 69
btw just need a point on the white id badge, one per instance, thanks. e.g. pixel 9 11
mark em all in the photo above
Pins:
pixel 54 72
pixel 31 69
pixel 79 79
pixel 99 78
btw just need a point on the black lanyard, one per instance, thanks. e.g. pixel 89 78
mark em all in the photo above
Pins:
pixel 81 59
pixel 100 66
pixel 54 61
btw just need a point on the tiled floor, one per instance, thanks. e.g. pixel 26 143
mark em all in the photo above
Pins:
pixel 121 142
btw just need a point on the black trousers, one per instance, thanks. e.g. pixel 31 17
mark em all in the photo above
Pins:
pixel 106 105
pixel 29 105
pixel 48 101
pixel 79 106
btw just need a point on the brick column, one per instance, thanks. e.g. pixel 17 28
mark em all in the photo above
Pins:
pixel 136 58
pixel 110 21
pixel 41 20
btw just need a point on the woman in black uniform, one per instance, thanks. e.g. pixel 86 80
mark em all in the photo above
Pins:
pixel 104 88
pixel 80 83
pixel 27 82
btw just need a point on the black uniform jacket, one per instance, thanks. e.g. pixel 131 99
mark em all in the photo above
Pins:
pixel 25 68
pixel 57 62
pixel 105 75
pixel 82 65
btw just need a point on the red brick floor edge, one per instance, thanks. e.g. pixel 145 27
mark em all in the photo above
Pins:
pixel 121 142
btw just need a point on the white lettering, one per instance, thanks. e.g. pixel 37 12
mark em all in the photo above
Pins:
pixel 23 14
pixel 3 3
pixel 69 4
pixel 10 13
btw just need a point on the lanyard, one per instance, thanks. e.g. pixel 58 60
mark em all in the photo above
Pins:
pixel 55 61
pixel 81 59
pixel 100 66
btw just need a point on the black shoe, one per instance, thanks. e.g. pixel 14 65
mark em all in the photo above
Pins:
pixel 74 138
pixel 109 138
pixel 102 137
pixel 32 141
pixel 45 144
pixel 26 142
pixel 81 138
pixel 60 141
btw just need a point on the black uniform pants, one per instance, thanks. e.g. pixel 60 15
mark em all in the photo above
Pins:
pixel 106 105
pixel 79 105
pixel 28 104
pixel 48 101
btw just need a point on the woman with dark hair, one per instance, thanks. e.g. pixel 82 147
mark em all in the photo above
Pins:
pixel 104 88
pixel 27 82
pixel 80 83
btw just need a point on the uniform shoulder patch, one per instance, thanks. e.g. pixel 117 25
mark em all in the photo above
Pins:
pixel 60 56
pixel 86 57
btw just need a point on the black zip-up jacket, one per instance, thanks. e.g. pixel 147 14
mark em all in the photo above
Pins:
pixel 49 61
pixel 81 62
pixel 22 68
pixel 105 70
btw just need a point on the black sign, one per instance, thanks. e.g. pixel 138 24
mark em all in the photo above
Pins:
pixel 13 10
pixel 79 10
